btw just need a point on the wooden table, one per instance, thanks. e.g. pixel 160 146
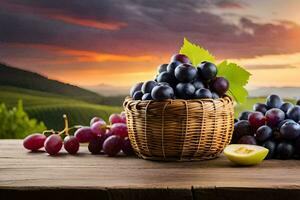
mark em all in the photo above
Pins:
pixel 84 176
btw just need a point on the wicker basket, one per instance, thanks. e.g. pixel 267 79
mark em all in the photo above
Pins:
pixel 179 130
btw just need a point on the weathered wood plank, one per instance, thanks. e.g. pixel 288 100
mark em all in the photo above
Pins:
pixel 87 193
pixel 150 194
pixel 23 173
pixel 245 193
pixel 52 194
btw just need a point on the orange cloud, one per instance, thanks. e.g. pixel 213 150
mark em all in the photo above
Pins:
pixel 112 26
pixel 229 5
pixel 87 56
pixel 82 67
pixel 114 76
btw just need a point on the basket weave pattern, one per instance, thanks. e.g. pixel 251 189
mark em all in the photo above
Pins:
pixel 179 129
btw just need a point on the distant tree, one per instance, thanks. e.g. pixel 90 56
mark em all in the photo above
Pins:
pixel 15 123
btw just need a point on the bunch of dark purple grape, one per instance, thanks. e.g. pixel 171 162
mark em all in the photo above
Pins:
pixel 180 80
pixel 273 125
pixel 101 138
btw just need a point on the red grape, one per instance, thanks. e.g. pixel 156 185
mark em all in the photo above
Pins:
pixel 247 139
pixel 203 93
pixel 290 130
pixel 172 66
pixel 137 95
pixel 95 119
pixel 286 106
pixel 207 71
pixel 198 84
pixel 84 134
pixel 256 120
pixel 112 145
pixel 185 90
pixel 244 115
pixel 119 129
pixel 34 142
pixel 95 145
pixel 127 148
pixel 285 150
pixel 273 101
pixel 53 144
pixel 185 73
pixel 260 107
pixel 148 86
pixel 263 133
pixel 214 95
pixel 271 145
pixel 283 122
pixel 162 68
pixel 116 118
pixel 167 77
pixel 123 116
pixel 297 146
pixel 242 128
pixel 146 96
pixel 99 128
pixel 71 144
pixel 220 85
pixel 294 113
pixel 107 134
pixel 274 117
pixel 135 88
pixel 180 58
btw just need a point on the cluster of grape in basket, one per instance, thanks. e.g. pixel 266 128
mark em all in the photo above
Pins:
pixel 273 125
pixel 101 138
pixel 181 80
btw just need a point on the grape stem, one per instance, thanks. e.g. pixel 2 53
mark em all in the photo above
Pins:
pixel 75 127
pixel 66 129
pixel 48 131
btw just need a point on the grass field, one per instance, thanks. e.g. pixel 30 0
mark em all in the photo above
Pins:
pixel 49 108
pixel 248 105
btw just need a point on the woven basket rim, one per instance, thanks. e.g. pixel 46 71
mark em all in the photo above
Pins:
pixel 225 98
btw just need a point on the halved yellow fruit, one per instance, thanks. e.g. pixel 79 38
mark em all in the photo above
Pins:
pixel 245 154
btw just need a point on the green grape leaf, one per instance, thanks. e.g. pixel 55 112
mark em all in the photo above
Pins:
pixel 196 53
pixel 238 77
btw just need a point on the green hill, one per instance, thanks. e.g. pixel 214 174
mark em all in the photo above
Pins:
pixel 47 100
pixel 10 76
pixel 49 108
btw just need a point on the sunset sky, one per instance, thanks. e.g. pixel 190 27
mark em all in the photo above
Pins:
pixel 120 42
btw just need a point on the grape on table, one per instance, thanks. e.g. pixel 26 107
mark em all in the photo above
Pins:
pixel 273 125
pixel 101 138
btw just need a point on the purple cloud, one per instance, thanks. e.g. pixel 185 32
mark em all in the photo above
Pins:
pixel 152 27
